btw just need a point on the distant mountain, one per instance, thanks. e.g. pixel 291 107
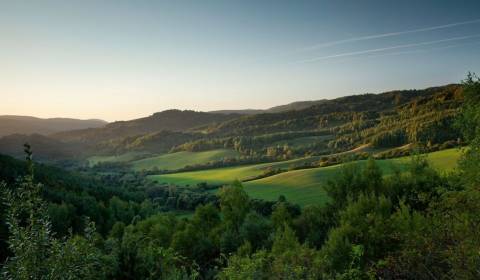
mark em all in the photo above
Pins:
pixel 171 120
pixel 31 125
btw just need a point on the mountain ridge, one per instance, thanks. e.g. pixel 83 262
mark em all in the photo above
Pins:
pixel 17 124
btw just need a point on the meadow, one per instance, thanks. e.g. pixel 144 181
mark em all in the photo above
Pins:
pixel 126 157
pixel 305 186
pixel 173 161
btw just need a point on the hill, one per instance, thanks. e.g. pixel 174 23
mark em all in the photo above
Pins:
pixel 179 160
pixel 171 120
pixel 10 124
pixel 299 105
pixel 303 186
pixel 386 120
pixel 306 186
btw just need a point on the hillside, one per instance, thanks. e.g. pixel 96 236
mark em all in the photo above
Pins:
pixel 303 186
pixel 30 125
pixel 171 120
pixel 179 160
pixel 45 148
pixel 299 105
pixel 385 120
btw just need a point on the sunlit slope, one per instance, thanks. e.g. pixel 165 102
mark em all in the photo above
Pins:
pixel 181 159
pixel 306 186
pixel 229 174
pixel 300 186
pixel 225 175
pixel 118 158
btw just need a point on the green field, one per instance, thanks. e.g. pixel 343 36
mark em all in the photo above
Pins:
pixel 229 174
pixel 225 175
pixel 306 186
pixel 300 186
pixel 181 159
pixel 116 158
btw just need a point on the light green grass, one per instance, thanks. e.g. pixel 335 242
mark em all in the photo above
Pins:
pixel 181 159
pixel 127 157
pixel 306 186
pixel 299 186
pixel 230 174
pixel 225 175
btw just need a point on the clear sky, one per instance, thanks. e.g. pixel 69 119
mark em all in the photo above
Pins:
pixel 120 60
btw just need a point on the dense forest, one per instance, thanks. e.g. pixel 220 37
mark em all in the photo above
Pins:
pixel 413 224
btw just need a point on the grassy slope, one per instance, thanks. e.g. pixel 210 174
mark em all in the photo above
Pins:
pixel 120 158
pixel 306 186
pixel 229 174
pixel 225 175
pixel 181 159
pixel 299 186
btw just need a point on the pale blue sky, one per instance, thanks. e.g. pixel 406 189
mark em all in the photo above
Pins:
pixel 120 60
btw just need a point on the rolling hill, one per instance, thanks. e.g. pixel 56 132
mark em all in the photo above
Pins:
pixel 385 121
pixel 30 125
pixel 170 120
pixel 179 160
pixel 303 186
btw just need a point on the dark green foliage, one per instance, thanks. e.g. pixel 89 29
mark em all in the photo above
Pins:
pixel 469 123
pixel 35 252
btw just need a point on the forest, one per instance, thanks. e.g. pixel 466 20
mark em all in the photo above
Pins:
pixel 415 223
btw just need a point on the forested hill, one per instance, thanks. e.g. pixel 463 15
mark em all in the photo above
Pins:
pixel 317 116
pixel 171 120
pixel 30 125
pixel 386 120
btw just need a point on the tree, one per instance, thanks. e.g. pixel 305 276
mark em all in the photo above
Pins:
pixel 234 205
pixel 469 123
pixel 36 253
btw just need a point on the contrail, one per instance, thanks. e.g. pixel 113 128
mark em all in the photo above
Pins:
pixel 363 38
pixel 424 50
pixel 387 48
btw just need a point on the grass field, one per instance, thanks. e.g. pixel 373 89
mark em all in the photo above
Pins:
pixel 181 159
pixel 306 186
pixel 229 174
pixel 300 186
pixel 225 175
pixel 118 158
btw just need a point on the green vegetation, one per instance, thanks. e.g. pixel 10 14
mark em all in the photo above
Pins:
pixel 303 186
pixel 179 160
pixel 127 157
pixel 306 186
pixel 226 175
pixel 414 217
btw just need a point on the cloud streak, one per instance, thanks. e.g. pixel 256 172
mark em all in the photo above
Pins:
pixel 424 50
pixel 384 35
pixel 355 53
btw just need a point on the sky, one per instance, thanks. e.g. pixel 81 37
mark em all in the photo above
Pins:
pixel 120 60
